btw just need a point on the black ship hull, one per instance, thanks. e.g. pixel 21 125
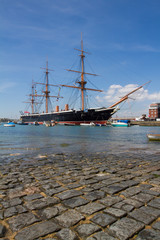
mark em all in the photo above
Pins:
pixel 98 115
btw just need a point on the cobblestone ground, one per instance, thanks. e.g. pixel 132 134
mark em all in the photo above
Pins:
pixel 71 197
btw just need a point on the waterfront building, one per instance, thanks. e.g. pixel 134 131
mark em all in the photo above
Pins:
pixel 154 111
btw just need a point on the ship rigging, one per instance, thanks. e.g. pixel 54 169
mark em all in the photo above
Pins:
pixel 82 83
pixel 45 93
pixel 72 116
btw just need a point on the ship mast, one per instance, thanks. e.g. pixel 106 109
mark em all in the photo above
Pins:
pixel 82 83
pixel 32 100
pixel 32 95
pixel 46 92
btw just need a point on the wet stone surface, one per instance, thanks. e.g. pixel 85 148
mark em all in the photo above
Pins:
pixel 76 197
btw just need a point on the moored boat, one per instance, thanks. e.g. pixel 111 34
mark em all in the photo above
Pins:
pixel 9 124
pixel 21 123
pixel 99 125
pixel 121 123
pixel 49 124
pixel 153 137
pixel 69 124
pixel 36 123
pixel 88 124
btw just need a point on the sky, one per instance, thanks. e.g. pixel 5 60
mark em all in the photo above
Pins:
pixel 122 38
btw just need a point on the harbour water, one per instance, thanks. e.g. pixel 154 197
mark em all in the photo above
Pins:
pixel 33 140
pixel 79 182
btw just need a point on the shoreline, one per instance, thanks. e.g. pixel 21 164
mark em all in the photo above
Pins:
pixel 146 123
pixel 70 196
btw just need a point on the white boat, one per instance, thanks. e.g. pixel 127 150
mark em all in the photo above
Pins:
pixel 88 124
pixel 10 124
pixel 120 124
pixel 49 124
pixel 21 123
pixel 35 123
pixel 153 137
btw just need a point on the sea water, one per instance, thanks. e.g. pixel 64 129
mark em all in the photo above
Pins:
pixel 33 140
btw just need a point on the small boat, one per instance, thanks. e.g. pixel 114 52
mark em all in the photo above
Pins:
pixel 49 124
pixel 100 125
pixel 21 123
pixel 153 137
pixel 9 124
pixel 121 123
pixel 35 123
pixel 88 124
pixel 69 124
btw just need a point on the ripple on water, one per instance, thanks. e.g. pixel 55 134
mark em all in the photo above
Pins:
pixel 41 140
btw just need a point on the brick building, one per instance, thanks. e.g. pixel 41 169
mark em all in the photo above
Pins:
pixel 154 111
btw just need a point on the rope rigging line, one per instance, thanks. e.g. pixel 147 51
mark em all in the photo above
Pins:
pixel 92 70
pixel 92 84
pixel 74 63
pixel 40 105
pixel 74 97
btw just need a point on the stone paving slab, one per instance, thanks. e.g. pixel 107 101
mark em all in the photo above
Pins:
pixel 66 233
pixel 87 229
pixel 69 218
pixel 142 216
pixel 125 228
pixel 37 230
pixel 21 221
pixel 80 197
pixel 103 219
pixel 148 234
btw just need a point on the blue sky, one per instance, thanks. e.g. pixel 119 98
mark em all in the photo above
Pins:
pixel 122 36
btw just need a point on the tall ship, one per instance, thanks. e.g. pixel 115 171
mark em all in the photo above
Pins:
pixel 98 115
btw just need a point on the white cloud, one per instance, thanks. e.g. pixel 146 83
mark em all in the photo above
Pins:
pixel 5 86
pixel 134 47
pixel 145 48
pixel 114 86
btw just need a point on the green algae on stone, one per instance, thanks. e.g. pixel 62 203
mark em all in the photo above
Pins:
pixel 64 144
